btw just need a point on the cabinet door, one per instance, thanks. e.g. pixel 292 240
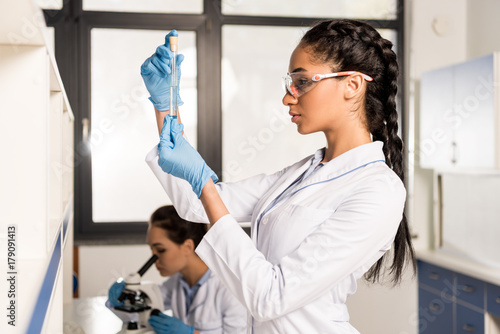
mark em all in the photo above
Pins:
pixel 436 118
pixel 469 321
pixel 470 290
pixel 435 313
pixel 474 116
pixel 493 299
pixel 437 278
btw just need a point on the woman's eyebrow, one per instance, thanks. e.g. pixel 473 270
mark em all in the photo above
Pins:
pixel 156 244
pixel 299 69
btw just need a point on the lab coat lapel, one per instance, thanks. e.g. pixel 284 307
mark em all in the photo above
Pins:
pixel 290 175
pixel 347 162
pixel 200 297
pixel 179 301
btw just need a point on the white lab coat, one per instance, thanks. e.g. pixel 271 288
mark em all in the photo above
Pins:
pixel 214 309
pixel 295 275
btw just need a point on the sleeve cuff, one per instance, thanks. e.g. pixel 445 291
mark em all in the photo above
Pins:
pixel 151 156
pixel 225 234
pixel 224 224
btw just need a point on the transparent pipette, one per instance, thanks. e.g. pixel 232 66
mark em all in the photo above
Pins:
pixel 173 85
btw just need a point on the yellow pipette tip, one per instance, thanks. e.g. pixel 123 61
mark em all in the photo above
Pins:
pixel 173 43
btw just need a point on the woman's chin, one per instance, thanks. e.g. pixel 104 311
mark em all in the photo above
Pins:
pixel 303 131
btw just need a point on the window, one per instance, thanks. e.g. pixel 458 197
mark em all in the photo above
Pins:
pixel 150 6
pixel 100 45
pixel 360 9
pixel 123 121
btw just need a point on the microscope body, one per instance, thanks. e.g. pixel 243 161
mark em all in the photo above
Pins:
pixel 139 299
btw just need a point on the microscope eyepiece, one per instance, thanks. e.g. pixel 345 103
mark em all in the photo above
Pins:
pixel 147 265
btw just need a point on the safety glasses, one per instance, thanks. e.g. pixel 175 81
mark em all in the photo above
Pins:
pixel 299 83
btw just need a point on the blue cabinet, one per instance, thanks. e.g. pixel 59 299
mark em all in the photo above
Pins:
pixel 435 313
pixel 469 320
pixel 493 300
pixel 470 290
pixel 453 303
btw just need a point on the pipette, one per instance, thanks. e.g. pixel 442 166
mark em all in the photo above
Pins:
pixel 173 85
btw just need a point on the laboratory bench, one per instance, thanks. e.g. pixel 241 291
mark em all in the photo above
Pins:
pixel 90 316
pixel 457 295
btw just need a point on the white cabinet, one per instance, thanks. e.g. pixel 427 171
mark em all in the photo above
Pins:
pixel 466 214
pixel 36 173
pixel 459 115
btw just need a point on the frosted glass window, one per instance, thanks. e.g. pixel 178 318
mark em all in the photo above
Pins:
pixel 49 4
pixel 149 6
pixel 123 121
pixel 257 134
pixel 366 9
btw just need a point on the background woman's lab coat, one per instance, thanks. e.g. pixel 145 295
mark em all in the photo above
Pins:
pixel 296 273
pixel 213 310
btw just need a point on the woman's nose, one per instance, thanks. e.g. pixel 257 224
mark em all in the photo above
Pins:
pixel 289 99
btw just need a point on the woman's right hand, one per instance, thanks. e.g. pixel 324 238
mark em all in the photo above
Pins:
pixel 178 158
pixel 156 72
pixel 115 292
pixel 164 324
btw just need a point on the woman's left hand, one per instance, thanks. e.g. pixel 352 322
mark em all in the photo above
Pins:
pixel 164 324
pixel 178 158
pixel 156 71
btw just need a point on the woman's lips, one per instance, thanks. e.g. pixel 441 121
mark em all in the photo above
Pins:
pixel 294 116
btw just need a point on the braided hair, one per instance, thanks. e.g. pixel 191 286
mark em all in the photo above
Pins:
pixel 350 45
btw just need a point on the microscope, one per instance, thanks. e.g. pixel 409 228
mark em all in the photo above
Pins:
pixel 140 298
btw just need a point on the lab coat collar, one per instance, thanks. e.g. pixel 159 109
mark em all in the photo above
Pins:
pixel 348 161
pixel 201 294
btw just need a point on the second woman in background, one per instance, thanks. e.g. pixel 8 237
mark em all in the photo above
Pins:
pixel 199 302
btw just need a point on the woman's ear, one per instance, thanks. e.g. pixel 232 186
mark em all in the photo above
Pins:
pixel 188 246
pixel 354 86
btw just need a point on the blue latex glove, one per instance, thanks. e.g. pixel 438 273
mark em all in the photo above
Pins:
pixel 178 158
pixel 114 293
pixel 164 324
pixel 156 73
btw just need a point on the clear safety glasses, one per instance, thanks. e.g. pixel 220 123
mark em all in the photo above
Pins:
pixel 299 83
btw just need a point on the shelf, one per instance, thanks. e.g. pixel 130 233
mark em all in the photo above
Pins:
pixel 37 127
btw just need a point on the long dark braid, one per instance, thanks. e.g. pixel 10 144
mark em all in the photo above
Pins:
pixel 356 46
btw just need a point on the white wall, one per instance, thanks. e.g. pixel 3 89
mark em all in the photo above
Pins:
pixel 483 27
pixel 100 266
pixel 438 38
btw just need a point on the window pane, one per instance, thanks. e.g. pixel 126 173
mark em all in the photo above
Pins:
pixel 150 6
pixel 258 136
pixel 362 9
pixel 123 121
pixel 49 4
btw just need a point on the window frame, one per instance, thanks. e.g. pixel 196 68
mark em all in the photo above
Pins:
pixel 72 50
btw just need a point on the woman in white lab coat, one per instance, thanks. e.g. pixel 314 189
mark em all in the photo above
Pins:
pixel 199 302
pixel 322 223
